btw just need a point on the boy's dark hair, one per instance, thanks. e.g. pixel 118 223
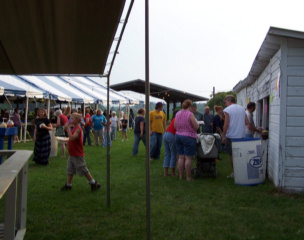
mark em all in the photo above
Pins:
pixel 250 105
pixel 141 111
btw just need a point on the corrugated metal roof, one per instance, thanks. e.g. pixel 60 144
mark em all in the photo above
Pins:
pixel 268 49
pixel 170 95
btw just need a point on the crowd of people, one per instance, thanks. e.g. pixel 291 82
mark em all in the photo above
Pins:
pixel 186 124
pixel 179 137
pixel 77 129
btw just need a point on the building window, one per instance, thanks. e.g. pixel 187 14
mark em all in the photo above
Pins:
pixel 263 113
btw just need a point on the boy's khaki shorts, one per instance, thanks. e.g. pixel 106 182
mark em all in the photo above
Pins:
pixel 77 165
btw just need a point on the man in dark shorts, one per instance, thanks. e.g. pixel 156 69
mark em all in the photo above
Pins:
pixel 234 125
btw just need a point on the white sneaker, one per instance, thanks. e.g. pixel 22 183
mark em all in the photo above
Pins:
pixel 122 140
pixel 231 175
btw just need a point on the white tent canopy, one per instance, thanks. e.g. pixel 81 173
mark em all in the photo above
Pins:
pixel 71 89
pixel 96 81
pixel 95 90
pixel 14 86
pixel 57 89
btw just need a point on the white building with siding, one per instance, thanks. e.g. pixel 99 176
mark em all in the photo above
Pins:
pixel 276 84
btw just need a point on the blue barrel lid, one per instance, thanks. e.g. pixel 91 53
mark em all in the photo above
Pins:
pixel 244 139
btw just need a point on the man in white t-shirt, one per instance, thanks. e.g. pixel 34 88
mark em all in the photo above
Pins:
pixel 234 125
pixel 250 128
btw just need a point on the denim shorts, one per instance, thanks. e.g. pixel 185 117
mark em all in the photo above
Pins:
pixel 124 129
pixel 185 145
pixel 248 136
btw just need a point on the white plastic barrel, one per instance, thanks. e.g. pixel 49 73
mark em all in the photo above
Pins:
pixel 54 143
pixel 248 165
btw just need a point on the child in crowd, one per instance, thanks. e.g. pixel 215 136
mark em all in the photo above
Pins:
pixel 76 161
pixel 139 130
pixel 124 123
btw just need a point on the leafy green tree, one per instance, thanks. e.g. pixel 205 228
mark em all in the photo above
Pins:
pixel 219 99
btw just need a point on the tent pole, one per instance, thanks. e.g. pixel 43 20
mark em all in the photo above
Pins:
pixel 128 114
pixel 83 110
pixel 168 107
pixel 25 119
pixel 48 108
pixel 108 144
pixel 119 109
pixel 147 91
pixel 120 36
pixel 213 100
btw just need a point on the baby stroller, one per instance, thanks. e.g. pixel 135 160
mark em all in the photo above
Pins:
pixel 206 156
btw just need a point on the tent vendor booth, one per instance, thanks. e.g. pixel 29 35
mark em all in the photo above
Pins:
pixel 58 89
pixel 15 88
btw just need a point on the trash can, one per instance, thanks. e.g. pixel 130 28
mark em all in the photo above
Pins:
pixel 54 143
pixel 248 165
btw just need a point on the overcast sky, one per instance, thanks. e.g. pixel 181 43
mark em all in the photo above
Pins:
pixel 196 44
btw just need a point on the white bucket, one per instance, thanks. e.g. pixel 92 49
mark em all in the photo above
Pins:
pixel 54 143
pixel 248 165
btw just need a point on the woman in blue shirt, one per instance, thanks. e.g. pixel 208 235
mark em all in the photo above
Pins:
pixel 99 121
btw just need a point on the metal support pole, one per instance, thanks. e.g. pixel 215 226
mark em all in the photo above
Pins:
pixel 108 144
pixel 83 110
pixel 48 108
pixel 168 109
pixel 120 37
pixel 119 122
pixel 25 119
pixel 147 86
pixel 213 99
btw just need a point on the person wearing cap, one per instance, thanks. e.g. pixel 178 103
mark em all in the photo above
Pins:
pixel 157 126
pixel 198 116
pixel 208 121
pixel 234 125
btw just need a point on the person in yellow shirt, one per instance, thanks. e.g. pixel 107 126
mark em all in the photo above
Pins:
pixel 157 127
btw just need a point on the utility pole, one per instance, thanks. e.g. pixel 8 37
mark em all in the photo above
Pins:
pixel 213 100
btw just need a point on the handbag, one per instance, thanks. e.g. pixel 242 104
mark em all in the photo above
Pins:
pixel 60 130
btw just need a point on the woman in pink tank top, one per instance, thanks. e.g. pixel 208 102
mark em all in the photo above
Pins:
pixel 185 138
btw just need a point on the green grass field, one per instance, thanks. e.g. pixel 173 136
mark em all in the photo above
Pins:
pixel 206 208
